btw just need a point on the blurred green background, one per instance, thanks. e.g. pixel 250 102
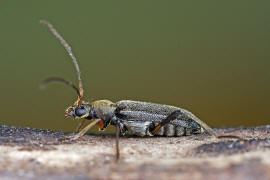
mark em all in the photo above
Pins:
pixel 210 57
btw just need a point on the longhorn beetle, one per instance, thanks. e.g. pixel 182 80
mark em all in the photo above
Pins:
pixel 138 118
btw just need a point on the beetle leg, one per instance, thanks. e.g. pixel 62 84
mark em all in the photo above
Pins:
pixel 117 140
pixel 232 137
pixel 174 115
pixel 84 130
pixel 79 127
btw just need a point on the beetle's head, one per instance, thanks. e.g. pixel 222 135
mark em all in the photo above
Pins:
pixel 84 110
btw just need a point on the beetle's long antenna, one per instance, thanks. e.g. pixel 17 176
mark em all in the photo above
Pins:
pixel 68 49
pixel 58 79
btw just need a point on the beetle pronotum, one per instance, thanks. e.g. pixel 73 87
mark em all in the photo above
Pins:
pixel 139 118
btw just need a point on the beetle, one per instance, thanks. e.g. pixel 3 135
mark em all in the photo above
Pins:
pixel 138 118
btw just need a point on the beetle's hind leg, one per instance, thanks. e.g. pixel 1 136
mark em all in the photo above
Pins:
pixel 174 115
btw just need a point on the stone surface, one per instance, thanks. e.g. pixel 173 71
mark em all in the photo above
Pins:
pixel 27 153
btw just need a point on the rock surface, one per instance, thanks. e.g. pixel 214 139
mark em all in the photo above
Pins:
pixel 27 153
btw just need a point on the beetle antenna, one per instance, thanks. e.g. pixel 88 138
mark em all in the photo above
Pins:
pixel 68 49
pixel 58 79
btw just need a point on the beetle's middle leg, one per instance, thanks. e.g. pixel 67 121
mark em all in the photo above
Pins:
pixel 117 131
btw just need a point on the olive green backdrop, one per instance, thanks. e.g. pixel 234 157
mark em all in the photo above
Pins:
pixel 210 57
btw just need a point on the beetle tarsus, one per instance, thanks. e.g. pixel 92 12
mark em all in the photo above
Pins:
pixel 230 137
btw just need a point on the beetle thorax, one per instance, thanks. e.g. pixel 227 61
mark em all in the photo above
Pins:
pixel 104 109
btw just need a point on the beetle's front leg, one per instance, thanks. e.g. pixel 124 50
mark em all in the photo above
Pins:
pixel 80 125
pixel 84 130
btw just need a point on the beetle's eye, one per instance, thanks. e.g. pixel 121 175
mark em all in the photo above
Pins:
pixel 80 111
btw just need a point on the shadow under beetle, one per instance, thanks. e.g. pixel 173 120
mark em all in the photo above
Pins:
pixel 138 118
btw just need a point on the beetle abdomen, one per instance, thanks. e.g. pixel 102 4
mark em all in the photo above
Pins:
pixel 140 118
pixel 171 129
